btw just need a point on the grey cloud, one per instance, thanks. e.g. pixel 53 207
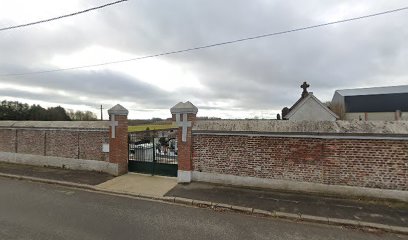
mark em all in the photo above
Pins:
pixel 99 86
pixel 55 98
pixel 259 74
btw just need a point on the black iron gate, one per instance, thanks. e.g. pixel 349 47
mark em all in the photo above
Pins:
pixel 153 155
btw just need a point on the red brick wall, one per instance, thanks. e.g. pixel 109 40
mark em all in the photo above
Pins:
pixel 67 143
pixel 119 144
pixel 363 163
pixel 184 148
pixel 90 144
pixel 7 140
pixel 63 144
pixel 30 142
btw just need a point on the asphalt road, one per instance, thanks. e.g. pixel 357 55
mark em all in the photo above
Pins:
pixel 40 211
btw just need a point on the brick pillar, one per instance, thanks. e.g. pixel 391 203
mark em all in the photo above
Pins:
pixel 184 114
pixel 118 138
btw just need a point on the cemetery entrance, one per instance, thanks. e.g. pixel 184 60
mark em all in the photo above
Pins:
pixel 153 152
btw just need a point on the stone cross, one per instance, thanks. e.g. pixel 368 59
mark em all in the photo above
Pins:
pixel 184 124
pixel 113 124
pixel 304 86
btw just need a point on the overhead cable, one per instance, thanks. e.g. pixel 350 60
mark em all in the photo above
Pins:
pixel 209 45
pixel 60 17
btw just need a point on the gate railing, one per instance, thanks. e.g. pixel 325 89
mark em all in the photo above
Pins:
pixel 153 151
pixel 154 155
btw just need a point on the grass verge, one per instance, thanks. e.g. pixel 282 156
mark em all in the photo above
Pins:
pixel 144 127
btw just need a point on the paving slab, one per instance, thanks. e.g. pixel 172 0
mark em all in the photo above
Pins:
pixel 140 184
pixel 59 174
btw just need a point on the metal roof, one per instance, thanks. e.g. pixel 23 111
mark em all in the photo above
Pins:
pixel 377 102
pixel 373 90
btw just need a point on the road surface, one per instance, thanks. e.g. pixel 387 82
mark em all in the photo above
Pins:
pixel 41 211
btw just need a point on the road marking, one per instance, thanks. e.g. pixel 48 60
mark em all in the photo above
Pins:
pixel 66 192
pixel 348 206
pixel 281 200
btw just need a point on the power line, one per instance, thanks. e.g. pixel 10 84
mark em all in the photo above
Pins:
pixel 60 17
pixel 101 112
pixel 208 46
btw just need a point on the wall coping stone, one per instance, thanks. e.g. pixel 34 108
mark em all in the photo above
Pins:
pixel 56 124
pixel 389 128
pixel 365 136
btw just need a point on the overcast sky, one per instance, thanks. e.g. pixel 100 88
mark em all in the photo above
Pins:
pixel 249 79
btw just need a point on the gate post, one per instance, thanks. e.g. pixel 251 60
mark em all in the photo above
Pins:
pixel 118 138
pixel 184 114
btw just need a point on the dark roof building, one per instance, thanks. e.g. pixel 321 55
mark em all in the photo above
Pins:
pixel 373 100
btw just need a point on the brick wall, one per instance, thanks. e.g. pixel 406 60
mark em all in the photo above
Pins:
pixel 119 144
pixel 77 143
pixel 184 148
pixel 8 140
pixel 30 142
pixel 351 162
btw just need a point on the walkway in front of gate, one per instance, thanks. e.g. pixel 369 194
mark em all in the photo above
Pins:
pixel 140 184
pixel 153 152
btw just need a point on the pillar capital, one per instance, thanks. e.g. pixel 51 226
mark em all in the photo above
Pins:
pixel 186 107
pixel 118 110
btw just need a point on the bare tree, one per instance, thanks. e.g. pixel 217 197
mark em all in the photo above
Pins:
pixel 338 109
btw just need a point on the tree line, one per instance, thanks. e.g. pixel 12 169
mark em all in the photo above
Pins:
pixel 13 110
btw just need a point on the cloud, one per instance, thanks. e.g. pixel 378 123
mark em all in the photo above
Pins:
pixel 95 86
pixel 250 76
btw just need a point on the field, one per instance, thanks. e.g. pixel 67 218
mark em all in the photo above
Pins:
pixel 143 127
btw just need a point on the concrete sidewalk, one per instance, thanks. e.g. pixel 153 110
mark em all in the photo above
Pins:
pixel 139 184
pixel 58 174
pixel 375 211
pixel 131 183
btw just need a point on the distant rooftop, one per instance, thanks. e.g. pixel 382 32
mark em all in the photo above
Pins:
pixel 373 90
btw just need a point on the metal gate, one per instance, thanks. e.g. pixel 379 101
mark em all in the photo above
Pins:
pixel 153 155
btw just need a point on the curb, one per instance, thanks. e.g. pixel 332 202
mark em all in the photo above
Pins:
pixel 222 206
pixel 49 181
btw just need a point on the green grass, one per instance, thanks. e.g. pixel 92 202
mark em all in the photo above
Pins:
pixel 143 127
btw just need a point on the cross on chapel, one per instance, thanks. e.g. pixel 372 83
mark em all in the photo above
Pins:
pixel 304 86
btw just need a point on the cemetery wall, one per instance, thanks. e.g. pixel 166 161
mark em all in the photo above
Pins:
pixel 74 144
pixel 303 155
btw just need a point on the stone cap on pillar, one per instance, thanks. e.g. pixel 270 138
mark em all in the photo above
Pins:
pixel 118 110
pixel 186 107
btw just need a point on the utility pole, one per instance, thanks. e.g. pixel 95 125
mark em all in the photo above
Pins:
pixel 101 113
